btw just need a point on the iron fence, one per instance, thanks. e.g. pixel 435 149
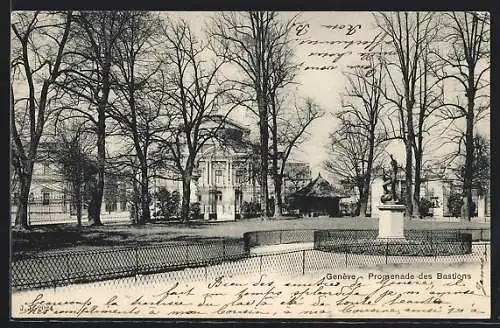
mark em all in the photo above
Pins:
pixel 60 268
pixel 65 267
pixel 276 237
pixel 284 264
pixel 51 210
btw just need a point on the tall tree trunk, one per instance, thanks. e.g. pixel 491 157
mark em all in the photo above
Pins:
pixel 361 206
pixel 367 180
pixel 363 202
pixel 22 207
pixel 78 204
pixel 418 182
pixel 186 192
pixel 186 197
pixel 278 203
pixel 469 152
pixel 264 155
pixel 276 170
pixel 101 143
pixel 95 214
pixel 145 199
pixel 409 157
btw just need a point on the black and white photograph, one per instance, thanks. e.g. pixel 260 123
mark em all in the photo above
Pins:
pixel 250 164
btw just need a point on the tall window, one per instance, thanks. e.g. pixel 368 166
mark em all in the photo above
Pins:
pixel 239 176
pixel 218 177
pixel 45 198
pixel 46 168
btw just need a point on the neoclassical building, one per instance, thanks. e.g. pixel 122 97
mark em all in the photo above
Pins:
pixel 227 175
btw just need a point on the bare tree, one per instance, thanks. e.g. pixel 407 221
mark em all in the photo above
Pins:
pixel 430 95
pixel 348 152
pixel 74 160
pixel 289 129
pixel 409 35
pixel 37 58
pixel 139 86
pixel 92 48
pixel 250 41
pixel 467 64
pixel 361 116
pixel 197 99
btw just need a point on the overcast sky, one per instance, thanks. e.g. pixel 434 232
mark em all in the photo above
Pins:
pixel 326 86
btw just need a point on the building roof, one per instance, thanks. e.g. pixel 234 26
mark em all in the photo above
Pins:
pixel 229 122
pixel 318 188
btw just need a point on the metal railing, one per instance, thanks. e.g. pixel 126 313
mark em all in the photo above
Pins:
pixel 276 237
pixel 65 267
pixel 57 268
pixel 287 263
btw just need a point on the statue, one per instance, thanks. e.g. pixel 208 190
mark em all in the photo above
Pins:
pixel 390 180
pixel 394 165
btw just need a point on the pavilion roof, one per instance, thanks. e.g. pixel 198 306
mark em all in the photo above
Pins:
pixel 318 188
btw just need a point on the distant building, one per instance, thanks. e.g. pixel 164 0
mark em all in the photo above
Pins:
pixel 50 200
pixel 225 176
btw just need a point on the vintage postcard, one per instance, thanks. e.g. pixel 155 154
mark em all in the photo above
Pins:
pixel 271 165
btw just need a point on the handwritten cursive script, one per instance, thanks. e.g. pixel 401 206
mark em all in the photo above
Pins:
pixel 361 293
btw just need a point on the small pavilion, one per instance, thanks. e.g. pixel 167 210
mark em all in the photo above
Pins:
pixel 319 197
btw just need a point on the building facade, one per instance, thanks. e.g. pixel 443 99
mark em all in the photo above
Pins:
pixel 225 177
pixel 51 199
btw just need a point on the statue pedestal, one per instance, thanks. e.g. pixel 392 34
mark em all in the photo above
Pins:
pixel 391 222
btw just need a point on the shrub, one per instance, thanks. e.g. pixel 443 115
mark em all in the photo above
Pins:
pixel 168 202
pixel 195 211
pixel 250 210
pixel 455 203
pixel 425 206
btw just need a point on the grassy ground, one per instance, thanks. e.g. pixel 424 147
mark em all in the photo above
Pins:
pixel 70 237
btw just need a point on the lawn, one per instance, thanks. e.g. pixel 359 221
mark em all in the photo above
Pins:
pixel 69 237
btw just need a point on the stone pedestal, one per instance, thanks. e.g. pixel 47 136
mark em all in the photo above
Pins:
pixel 391 222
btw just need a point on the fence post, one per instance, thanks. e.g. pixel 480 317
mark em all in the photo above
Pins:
pixel 66 263
pixel 304 262
pixel 223 247
pixel 386 252
pixel 481 235
pixel 345 251
pixel 260 264
pixel 187 253
pixel 136 255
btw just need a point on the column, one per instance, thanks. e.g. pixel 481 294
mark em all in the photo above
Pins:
pixel 208 172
